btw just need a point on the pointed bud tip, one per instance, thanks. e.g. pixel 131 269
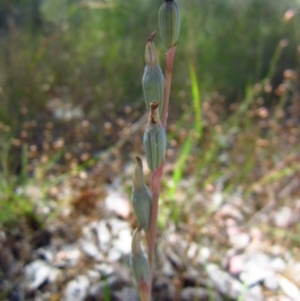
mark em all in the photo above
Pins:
pixel 150 51
pixel 140 264
pixel 151 36
pixel 138 175
pixel 138 160
pixel 136 241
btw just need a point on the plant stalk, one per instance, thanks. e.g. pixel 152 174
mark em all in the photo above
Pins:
pixel 157 174
pixel 170 55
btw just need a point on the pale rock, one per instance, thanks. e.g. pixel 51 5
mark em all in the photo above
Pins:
pixel 278 265
pixel 254 275
pixel 118 203
pixel 114 255
pixel 271 282
pixel 69 256
pixel 45 254
pixel 283 217
pixel 238 238
pixel 205 253
pixel 104 235
pixel 223 282
pixel 36 274
pixel 167 269
pixel 294 272
pixel 104 269
pixel 256 270
pixel 89 248
pixel 123 241
pixel 93 275
pixel 253 293
pixel 192 251
pixel 289 288
pixel 117 225
pixel 77 289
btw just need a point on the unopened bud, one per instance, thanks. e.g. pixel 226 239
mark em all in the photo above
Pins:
pixel 154 139
pixel 140 266
pixel 150 51
pixel 153 79
pixel 169 22
pixel 141 197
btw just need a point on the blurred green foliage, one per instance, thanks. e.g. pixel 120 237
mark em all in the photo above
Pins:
pixel 89 55
pixel 94 50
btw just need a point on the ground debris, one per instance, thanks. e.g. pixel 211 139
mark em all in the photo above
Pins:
pixel 88 258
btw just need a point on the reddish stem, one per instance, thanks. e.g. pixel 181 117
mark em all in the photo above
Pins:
pixel 157 174
pixel 155 188
pixel 169 69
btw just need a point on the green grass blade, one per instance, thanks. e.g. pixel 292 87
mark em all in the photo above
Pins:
pixel 196 99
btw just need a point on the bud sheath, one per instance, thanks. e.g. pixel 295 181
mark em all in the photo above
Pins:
pixel 154 139
pixel 169 22
pixel 140 266
pixel 141 197
pixel 153 81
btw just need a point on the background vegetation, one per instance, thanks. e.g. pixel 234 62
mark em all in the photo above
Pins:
pixel 70 89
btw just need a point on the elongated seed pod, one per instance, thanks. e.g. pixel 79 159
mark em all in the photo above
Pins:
pixel 154 139
pixel 140 266
pixel 169 22
pixel 153 81
pixel 141 197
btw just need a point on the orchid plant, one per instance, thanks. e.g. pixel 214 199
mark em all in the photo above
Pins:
pixel 145 201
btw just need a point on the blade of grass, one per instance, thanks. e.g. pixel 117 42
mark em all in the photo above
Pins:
pixel 196 100
pixel 177 176
pixel 187 147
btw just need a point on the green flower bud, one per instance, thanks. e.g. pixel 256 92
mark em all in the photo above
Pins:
pixel 154 139
pixel 141 197
pixel 150 51
pixel 153 81
pixel 169 22
pixel 140 266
